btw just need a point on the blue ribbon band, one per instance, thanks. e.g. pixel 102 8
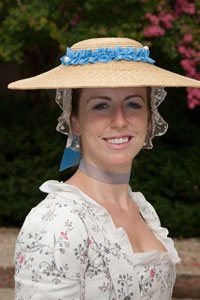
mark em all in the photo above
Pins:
pixel 104 55
pixel 70 158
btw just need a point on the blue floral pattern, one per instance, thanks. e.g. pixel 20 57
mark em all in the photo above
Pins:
pixel 105 55
pixel 67 249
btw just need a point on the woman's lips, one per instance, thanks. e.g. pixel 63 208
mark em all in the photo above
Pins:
pixel 118 143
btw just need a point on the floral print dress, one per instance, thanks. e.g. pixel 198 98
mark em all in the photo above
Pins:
pixel 69 249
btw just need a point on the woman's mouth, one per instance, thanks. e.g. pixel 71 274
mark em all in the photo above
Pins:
pixel 118 141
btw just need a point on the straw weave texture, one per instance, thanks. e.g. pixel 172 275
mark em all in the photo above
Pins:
pixel 111 74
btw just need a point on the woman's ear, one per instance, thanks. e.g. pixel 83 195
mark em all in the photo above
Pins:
pixel 75 125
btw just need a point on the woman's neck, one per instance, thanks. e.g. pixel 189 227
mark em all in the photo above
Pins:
pixel 103 176
pixel 104 187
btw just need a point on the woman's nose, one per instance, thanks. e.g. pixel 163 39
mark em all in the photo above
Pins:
pixel 119 117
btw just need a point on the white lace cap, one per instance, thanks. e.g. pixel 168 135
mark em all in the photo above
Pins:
pixel 158 125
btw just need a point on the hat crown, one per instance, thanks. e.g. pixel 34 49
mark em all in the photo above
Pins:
pixel 93 44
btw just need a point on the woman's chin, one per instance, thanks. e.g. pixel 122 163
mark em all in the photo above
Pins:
pixel 116 161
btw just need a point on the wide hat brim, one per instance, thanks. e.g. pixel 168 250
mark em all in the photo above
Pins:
pixel 111 74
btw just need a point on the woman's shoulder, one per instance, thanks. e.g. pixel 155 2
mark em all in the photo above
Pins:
pixel 60 199
pixel 57 214
pixel 52 246
pixel 145 207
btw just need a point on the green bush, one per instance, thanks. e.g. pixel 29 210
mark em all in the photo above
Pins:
pixel 31 153
pixel 168 175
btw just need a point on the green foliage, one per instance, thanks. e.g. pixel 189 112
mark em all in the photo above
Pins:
pixel 31 153
pixel 29 28
pixel 24 24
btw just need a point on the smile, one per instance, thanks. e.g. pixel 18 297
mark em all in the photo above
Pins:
pixel 117 141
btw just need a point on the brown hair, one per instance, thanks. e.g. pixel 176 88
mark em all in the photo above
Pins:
pixel 76 95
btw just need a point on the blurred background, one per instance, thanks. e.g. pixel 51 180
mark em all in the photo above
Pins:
pixel 33 36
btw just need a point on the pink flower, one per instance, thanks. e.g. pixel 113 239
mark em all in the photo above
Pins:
pixel 183 6
pixel 193 93
pixel 89 241
pixel 152 273
pixel 189 66
pixel 192 103
pixel 187 52
pixel 64 235
pixel 179 5
pixel 181 49
pixel 21 259
pixel 190 8
pixel 154 31
pixel 193 96
pixel 153 19
pixel 166 20
pixel 187 38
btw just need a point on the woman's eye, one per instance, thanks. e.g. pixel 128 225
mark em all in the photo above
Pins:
pixel 133 105
pixel 100 106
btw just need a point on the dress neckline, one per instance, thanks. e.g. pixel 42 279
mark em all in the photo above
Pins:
pixel 147 211
pixel 119 232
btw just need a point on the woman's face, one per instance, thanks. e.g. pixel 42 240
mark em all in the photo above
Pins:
pixel 112 124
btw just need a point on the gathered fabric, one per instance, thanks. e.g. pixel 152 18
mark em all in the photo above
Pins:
pixel 104 55
pixel 69 248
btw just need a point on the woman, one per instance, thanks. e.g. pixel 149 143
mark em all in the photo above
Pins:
pixel 92 237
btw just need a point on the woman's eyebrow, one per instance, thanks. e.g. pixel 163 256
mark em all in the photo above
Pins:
pixel 108 98
pixel 133 96
pixel 99 97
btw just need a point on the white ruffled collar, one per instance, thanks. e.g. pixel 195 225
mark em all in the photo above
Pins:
pixel 144 207
pixel 54 186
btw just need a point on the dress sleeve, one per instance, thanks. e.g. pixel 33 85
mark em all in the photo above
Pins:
pixel 51 253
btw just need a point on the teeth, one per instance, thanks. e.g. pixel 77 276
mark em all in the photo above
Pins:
pixel 118 141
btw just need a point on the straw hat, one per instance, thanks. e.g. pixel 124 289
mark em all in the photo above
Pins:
pixel 126 63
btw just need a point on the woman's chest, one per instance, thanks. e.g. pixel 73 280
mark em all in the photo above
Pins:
pixel 145 281
pixel 114 271
pixel 140 236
